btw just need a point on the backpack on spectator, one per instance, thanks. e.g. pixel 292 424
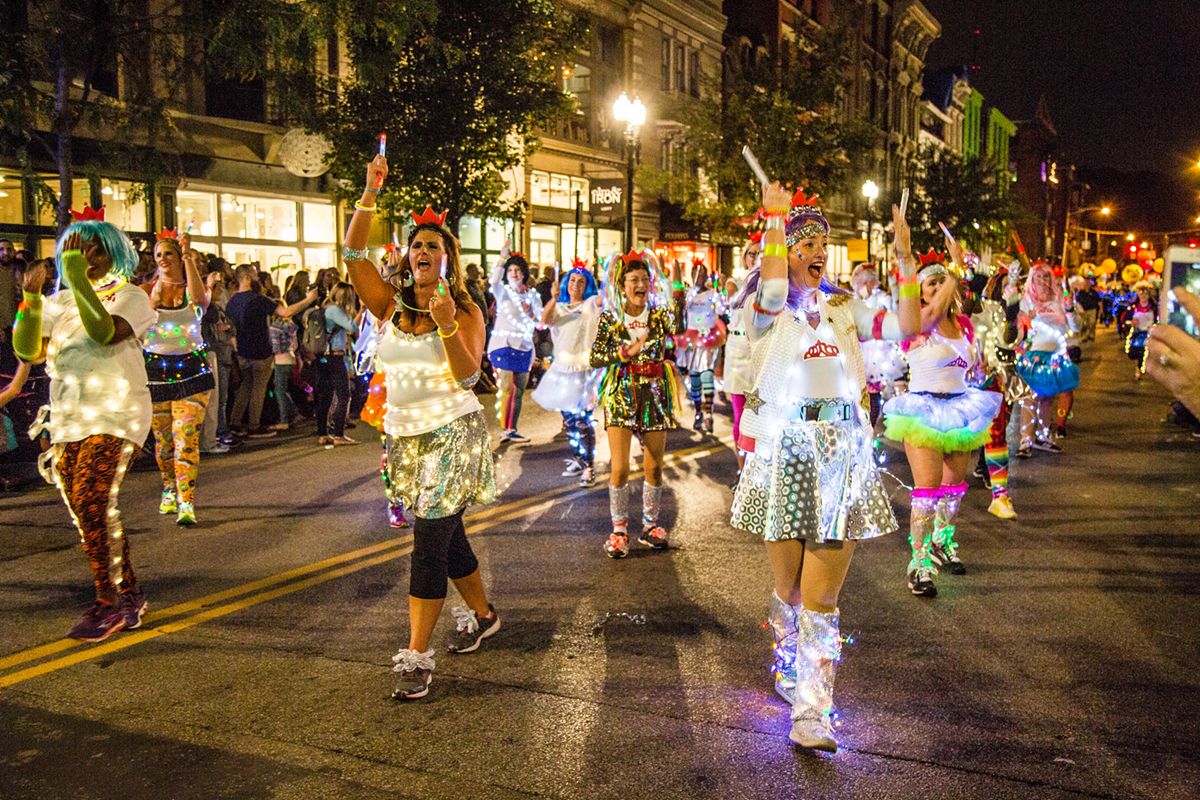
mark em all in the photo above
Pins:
pixel 316 337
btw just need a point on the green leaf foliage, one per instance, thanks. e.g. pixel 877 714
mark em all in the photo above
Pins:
pixel 969 195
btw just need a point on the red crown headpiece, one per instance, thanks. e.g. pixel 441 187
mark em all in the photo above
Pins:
pixel 756 237
pixel 800 200
pixel 578 263
pixel 697 262
pixel 169 233
pixel 515 254
pixel 633 255
pixel 429 217
pixel 88 214
pixel 387 248
pixel 932 257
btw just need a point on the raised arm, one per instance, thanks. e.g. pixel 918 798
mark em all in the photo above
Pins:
pixel 197 291
pixel 772 293
pixel 908 310
pixel 375 293
pixel 498 271
pixel 28 342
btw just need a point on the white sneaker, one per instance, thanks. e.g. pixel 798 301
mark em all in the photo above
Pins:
pixel 573 468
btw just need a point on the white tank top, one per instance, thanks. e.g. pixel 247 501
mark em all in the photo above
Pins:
pixel 422 394
pixel 817 372
pixel 177 331
pixel 940 365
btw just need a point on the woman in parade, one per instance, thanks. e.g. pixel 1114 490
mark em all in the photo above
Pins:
pixel 739 372
pixel 640 388
pixel 810 486
pixel 439 459
pixel 1045 364
pixel 573 318
pixel 518 312
pixel 699 346
pixel 940 419
pixel 100 409
pixel 883 361
pixel 1140 318
pixel 180 376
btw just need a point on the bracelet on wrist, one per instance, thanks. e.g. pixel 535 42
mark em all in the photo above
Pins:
pixel 760 310
pixel 777 212
pixel 369 209
pixel 780 250
pixel 774 223
pixel 350 254
pixel 621 354
pixel 910 289
pixel 452 328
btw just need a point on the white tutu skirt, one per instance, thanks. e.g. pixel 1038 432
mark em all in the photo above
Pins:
pixel 698 359
pixel 946 422
pixel 566 389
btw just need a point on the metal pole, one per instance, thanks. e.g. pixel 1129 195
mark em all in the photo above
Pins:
pixel 869 221
pixel 628 188
pixel 578 222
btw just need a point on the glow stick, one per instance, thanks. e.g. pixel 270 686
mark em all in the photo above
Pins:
pixel 903 202
pixel 382 152
pixel 755 167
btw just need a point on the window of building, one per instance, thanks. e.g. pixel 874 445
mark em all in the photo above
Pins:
pixel 560 192
pixel 543 246
pixel 124 205
pixel 539 188
pixel 680 68
pixel 610 45
pixel 12 199
pixel 666 65
pixel 244 100
pixel 470 234
pixel 694 73
pixel 608 242
pixel 577 243
pixel 320 223
pixel 246 217
pixel 579 189
pixel 81 192
pixel 196 212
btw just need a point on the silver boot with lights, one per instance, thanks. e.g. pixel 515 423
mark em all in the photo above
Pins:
pixel 782 620
pixel 818 649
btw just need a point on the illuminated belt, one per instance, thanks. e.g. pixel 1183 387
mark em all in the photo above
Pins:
pixel 821 411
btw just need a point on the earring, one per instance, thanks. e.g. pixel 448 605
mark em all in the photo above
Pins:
pixel 407 280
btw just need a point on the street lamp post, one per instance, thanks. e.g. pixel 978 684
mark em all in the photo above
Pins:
pixel 1067 226
pixel 634 116
pixel 870 191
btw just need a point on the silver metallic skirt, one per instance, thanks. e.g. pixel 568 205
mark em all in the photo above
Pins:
pixel 818 483
pixel 441 472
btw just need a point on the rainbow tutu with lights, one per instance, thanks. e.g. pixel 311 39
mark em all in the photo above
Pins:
pixel 1048 373
pixel 946 422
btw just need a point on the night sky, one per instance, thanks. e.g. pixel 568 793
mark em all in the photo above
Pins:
pixel 1121 79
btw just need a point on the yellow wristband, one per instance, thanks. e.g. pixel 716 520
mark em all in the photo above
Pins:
pixel 452 328
pixel 910 290
pixel 775 250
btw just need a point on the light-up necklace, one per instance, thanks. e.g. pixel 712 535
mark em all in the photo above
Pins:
pixel 108 284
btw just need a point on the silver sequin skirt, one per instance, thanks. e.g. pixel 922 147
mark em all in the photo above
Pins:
pixel 439 473
pixel 819 483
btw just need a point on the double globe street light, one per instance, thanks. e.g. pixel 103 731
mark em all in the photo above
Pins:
pixel 634 116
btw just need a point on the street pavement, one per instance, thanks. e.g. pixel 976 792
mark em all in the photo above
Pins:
pixel 1062 665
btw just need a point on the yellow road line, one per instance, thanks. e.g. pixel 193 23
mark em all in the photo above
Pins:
pixel 205 605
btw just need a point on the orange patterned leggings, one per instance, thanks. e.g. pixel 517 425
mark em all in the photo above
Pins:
pixel 176 426
pixel 89 476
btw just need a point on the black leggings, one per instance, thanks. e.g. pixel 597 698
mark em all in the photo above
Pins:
pixel 440 551
pixel 331 394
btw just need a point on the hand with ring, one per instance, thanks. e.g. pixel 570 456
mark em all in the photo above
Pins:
pixel 1173 357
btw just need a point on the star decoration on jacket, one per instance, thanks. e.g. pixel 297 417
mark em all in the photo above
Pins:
pixel 753 401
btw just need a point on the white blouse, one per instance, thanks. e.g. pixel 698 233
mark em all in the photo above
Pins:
pixel 422 394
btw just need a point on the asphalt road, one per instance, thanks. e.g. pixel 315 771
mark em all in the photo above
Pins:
pixel 1063 665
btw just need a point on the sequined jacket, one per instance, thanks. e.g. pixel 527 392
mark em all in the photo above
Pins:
pixel 663 324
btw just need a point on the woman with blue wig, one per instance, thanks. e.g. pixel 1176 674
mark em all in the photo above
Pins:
pixel 90 335
pixel 573 318
pixel 810 486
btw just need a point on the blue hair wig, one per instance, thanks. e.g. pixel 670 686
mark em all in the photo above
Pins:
pixel 111 238
pixel 589 291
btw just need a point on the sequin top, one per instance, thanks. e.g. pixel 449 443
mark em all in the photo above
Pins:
pixel 422 394
pixel 175 332
pixel 612 334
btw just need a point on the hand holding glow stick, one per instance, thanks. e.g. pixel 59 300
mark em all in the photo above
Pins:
pixel 382 152
pixel 755 167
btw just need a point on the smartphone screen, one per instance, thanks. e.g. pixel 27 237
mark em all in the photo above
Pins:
pixel 1187 275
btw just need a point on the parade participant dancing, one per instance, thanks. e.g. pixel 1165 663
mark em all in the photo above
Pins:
pixel 640 388
pixel 573 318
pixel 699 346
pixel 180 377
pixel 940 419
pixel 90 336
pixel 882 358
pixel 996 346
pixel 518 311
pixel 1142 316
pixel 1044 365
pixel 810 487
pixel 739 372
pixel 439 461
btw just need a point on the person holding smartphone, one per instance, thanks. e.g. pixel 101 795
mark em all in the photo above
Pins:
pixel 1173 356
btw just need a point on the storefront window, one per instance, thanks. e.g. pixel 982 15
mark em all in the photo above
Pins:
pixel 320 223
pixel 81 192
pixel 124 204
pixel 196 212
pixel 276 260
pixel 608 242
pixel 317 258
pixel 579 188
pixel 560 192
pixel 543 246
pixel 469 234
pixel 539 188
pixel 584 248
pixel 12 199
pixel 497 231
pixel 246 217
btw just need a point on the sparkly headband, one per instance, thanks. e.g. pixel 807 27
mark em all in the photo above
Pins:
pixel 809 229
pixel 930 271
